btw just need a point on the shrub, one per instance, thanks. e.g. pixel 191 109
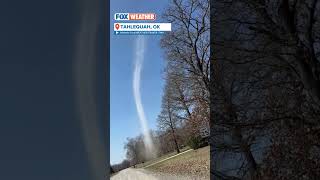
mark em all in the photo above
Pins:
pixel 194 142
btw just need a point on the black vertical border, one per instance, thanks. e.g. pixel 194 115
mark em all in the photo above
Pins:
pixel 105 38
pixel 211 85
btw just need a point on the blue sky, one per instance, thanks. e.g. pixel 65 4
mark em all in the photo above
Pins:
pixel 124 120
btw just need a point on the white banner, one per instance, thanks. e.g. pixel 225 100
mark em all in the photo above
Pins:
pixel 142 27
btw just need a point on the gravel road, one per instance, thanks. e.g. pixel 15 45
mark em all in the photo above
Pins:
pixel 141 174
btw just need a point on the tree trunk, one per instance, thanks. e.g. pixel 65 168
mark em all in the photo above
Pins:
pixel 172 129
pixel 175 140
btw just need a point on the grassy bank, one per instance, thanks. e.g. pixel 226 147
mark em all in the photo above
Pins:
pixel 194 162
pixel 142 165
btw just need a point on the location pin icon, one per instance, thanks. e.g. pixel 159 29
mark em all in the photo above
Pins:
pixel 117 26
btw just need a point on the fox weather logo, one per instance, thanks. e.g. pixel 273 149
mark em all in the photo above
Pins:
pixel 137 28
pixel 134 16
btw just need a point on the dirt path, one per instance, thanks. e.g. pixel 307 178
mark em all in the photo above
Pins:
pixel 141 174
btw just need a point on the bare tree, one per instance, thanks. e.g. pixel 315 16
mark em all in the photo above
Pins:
pixel 264 88
pixel 180 94
pixel 187 46
pixel 187 49
pixel 135 150
pixel 167 119
pixel 132 150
